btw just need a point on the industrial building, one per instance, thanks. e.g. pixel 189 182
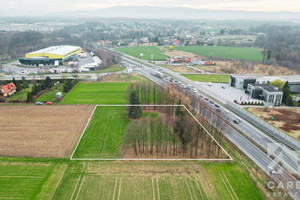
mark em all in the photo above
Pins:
pixel 265 92
pixel 54 55
pixel 242 81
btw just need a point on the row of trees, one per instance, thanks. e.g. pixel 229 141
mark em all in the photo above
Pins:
pixel 174 132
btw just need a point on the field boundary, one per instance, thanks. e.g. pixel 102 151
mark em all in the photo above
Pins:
pixel 149 159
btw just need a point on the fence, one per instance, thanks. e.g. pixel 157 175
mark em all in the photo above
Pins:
pixel 266 127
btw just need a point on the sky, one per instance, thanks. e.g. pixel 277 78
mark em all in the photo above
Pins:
pixel 34 7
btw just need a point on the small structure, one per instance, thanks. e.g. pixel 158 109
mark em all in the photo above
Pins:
pixel 58 96
pixel 8 90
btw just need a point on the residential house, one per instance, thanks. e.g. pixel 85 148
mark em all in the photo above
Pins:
pixel 8 90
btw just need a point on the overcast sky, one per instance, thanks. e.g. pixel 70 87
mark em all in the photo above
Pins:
pixel 50 6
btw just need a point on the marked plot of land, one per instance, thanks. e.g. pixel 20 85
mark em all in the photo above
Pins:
pixel 41 131
pixel 156 180
pixel 97 93
pixel 103 136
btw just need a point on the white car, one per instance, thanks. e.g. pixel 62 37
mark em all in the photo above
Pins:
pixel 194 90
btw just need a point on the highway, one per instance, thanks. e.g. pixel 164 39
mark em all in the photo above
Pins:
pixel 262 159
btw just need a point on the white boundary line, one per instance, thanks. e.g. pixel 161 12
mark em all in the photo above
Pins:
pixel 83 132
pixel 150 159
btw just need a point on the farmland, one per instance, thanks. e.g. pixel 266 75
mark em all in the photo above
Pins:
pixel 103 136
pixel 97 93
pixel 155 180
pixel 41 131
pixel 236 53
pixel 147 51
pixel 214 78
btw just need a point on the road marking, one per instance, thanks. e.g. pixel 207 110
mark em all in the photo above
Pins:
pixel 80 188
pixel 120 189
pixel 75 187
pixel 116 182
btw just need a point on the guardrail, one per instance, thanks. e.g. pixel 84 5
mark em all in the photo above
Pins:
pixel 266 127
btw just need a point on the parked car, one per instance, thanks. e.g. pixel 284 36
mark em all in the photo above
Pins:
pixel 223 86
pixel 211 101
pixel 39 103
pixel 49 103
pixel 217 105
pixel 236 101
pixel 194 90
pixel 201 96
pixel 206 98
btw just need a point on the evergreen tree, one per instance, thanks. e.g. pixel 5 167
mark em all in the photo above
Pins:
pixel 134 112
pixel 29 98
pixel 48 82
pixel 286 92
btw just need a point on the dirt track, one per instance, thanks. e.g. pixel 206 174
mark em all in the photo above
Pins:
pixel 41 131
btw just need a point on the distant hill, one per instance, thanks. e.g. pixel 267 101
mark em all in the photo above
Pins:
pixel 183 13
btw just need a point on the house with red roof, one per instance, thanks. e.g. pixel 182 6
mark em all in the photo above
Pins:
pixel 8 90
pixel 176 42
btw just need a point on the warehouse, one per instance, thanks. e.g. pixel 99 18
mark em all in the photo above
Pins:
pixel 241 81
pixel 54 55
pixel 265 92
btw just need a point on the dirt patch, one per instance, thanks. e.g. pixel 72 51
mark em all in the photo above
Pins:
pixel 41 131
pixel 284 119
pixel 233 67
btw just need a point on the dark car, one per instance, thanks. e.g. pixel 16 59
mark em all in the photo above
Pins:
pixel 236 101
pixel 236 121
pixel 217 105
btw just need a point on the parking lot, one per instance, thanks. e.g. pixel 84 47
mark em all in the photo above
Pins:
pixel 224 94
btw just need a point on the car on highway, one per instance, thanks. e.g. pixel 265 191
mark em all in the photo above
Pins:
pixel 49 103
pixel 236 121
pixel 171 79
pixel 271 170
pixel 39 103
pixel 226 111
pixel 239 120
pixel 206 98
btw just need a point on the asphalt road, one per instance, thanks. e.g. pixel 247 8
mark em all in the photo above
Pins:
pixel 264 161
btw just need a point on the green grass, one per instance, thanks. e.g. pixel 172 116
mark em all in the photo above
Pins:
pixel 21 95
pixel 155 180
pixel 214 78
pixel 50 96
pixel 147 51
pixel 229 180
pixel 103 136
pixel 236 53
pixel 29 179
pixel 97 93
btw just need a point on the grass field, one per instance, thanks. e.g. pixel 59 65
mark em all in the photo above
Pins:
pixel 214 78
pixel 236 53
pixel 21 95
pixel 103 136
pixel 50 96
pixel 97 93
pixel 147 51
pixel 156 180
pixel 29 179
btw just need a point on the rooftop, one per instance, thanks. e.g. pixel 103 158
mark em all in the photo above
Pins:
pixel 59 50
pixel 245 76
pixel 267 87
